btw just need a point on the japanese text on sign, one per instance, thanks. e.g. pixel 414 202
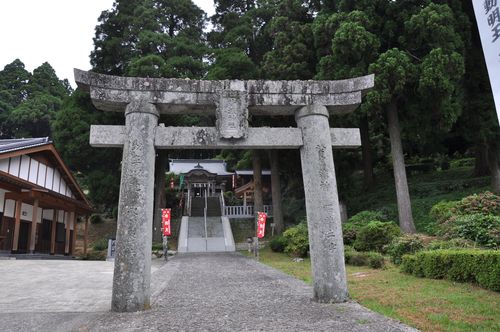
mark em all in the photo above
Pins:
pixel 261 224
pixel 488 23
pixel 165 220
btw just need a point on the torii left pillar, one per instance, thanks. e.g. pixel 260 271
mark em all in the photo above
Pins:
pixel 132 274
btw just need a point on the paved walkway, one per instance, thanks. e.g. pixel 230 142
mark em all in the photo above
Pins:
pixel 194 292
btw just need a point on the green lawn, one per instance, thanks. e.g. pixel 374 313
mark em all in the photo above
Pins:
pixel 429 305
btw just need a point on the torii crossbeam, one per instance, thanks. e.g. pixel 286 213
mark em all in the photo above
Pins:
pixel 144 99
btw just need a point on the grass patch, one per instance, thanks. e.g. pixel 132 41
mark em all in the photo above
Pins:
pixel 427 304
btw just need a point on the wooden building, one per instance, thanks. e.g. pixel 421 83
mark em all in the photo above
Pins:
pixel 40 199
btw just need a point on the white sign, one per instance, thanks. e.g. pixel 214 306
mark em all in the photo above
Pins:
pixel 488 23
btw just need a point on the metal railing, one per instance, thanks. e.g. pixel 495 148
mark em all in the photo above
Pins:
pixel 245 211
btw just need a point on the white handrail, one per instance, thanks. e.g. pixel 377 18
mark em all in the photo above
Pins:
pixel 244 211
pixel 205 218
pixel 222 203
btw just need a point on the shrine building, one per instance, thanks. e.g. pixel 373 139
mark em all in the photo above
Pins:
pixel 40 200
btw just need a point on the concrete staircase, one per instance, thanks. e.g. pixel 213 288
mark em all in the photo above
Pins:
pixel 216 236
pixel 198 206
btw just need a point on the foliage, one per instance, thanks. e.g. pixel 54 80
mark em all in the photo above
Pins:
pixel 466 265
pixel 375 236
pixel 450 244
pixel 351 228
pixel 101 244
pixel 297 240
pixel 349 232
pixel 364 217
pixel 278 243
pixel 443 211
pixel 484 203
pixel 156 38
pixel 483 229
pixel 475 218
pixel 94 256
pixel 96 219
pixel 29 102
pixel 157 246
pixel 372 259
pixel 405 244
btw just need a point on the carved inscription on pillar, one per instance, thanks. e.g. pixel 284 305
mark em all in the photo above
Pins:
pixel 232 114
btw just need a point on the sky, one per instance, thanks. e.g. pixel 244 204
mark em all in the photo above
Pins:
pixel 59 32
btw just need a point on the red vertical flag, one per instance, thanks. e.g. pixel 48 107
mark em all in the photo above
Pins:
pixel 165 220
pixel 261 224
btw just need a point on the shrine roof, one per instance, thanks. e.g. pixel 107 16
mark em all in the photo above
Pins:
pixel 183 166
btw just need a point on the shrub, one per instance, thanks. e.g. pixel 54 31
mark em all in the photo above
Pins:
pixel 157 246
pixel 101 244
pixel 375 235
pixel 484 203
pixel 297 240
pixel 451 244
pixel 349 233
pixel 351 228
pixel 114 213
pixel 480 228
pixel 371 259
pixel 443 211
pixel 94 256
pixel 406 244
pixel 96 219
pixel 365 217
pixel 278 244
pixel 463 265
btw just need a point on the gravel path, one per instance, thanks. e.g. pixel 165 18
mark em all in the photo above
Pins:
pixel 229 292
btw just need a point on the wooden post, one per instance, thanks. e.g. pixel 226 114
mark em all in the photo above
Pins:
pixel 73 240
pixel 85 235
pixel 68 230
pixel 53 232
pixel 32 238
pixel 15 241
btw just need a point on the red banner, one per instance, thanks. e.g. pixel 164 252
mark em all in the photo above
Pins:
pixel 165 220
pixel 261 224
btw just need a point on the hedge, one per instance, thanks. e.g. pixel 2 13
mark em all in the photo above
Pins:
pixel 462 265
pixel 370 258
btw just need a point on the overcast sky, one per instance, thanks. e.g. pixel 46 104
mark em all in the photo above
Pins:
pixel 57 31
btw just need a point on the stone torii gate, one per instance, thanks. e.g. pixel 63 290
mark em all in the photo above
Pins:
pixel 143 99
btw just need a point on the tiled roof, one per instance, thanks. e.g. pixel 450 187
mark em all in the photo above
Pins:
pixel 8 145
pixel 179 166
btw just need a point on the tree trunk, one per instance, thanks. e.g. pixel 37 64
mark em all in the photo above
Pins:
pixel 257 182
pixel 276 192
pixel 481 165
pixel 398 162
pixel 494 158
pixel 366 150
pixel 160 199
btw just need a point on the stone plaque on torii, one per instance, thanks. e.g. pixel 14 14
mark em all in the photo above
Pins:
pixel 144 99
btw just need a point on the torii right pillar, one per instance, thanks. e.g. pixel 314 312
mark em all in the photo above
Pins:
pixel 322 204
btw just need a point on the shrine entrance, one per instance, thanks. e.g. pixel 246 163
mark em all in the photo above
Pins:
pixel 143 99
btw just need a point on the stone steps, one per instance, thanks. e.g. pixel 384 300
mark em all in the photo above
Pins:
pixel 215 236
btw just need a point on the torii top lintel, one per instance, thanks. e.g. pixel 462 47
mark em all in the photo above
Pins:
pixel 176 96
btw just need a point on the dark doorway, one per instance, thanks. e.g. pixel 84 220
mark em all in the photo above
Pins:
pixel 24 233
pixel 45 230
